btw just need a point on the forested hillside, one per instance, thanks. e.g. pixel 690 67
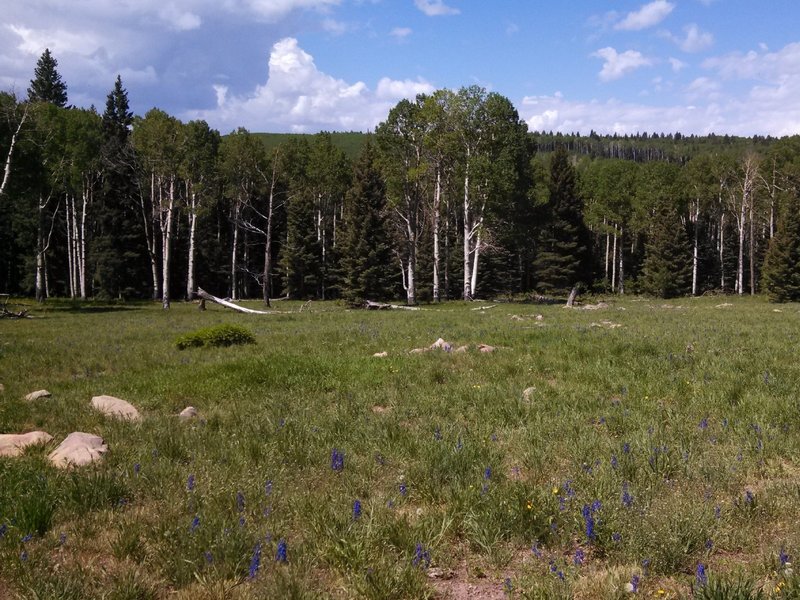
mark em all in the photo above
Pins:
pixel 450 197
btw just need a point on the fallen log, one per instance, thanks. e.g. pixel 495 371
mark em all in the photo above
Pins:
pixel 227 304
pixel 370 305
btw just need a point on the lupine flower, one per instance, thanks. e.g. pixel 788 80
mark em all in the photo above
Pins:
pixel 3 529
pixel 27 538
pixel 242 521
pixel 616 537
pixel 568 488
pixel 626 448
pixel 579 557
pixel 255 560
pixel 268 487
pixel 553 567
pixel 614 461
pixel 493 437
pixel 403 489
pixel 487 473
pixel 596 505
pixel 280 554
pixel 190 482
pixel 646 567
pixel 62 539
pixel 561 575
pixel 23 555
pixel 627 499
pixel 195 524
pixel 136 468
pixel 239 501
pixel 709 544
pixel 703 423
pixel 535 549
pixel 209 557
pixel 356 510
pixel 784 558
pixel 588 520
pixel 700 575
pixel 717 512
pixel 437 434
pixel 337 460
pixel 633 586
pixel 748 497
pixel 422 557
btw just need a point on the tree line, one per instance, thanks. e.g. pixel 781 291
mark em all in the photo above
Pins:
pixel 450 197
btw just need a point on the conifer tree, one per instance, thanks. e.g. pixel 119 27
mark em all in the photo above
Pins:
pixel 781 273
pixel 667 269
pixel 47 85
pixel 563 259
pixel 365 248
pixel 302 256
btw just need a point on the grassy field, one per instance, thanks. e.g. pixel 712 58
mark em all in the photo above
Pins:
pixel 658 450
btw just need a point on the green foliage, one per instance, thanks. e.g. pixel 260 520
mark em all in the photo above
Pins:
pixel 667 268
pixel 216 336
pixel 781 271
pixel 47 85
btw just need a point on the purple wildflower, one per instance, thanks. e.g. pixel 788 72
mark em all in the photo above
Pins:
pixel 356 510
pixel 280 554
pixel 268 487
pixel 27 538
pixel 3 529
pixel 62 539
pixel 627 499
pixel 507 585
pixel 23 555
pixel 700 575
pixel 596 505
pixel 403 489
pixel 422 557
pixel 239 501
pixel 437 434
pixel 195 524
pixel 561 575
pixel 136 468
pixel 748 497
pixel 209 557
pixel 190 482
pixel 579 557
pixel 487 473
pixel 614 461
pixel 536 551
pixel 255 560
pixel 635 584
pixel 703 423
pixel 784 558
pixel 616 537
pixel 337 460
pixel 709 544
pixel 626 448
pixel 646 567
pixel 588 520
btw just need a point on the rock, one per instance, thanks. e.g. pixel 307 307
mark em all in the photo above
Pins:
pixel 418 350
pixel 486 348
pixel 188 413
pixel 597 306
pixel 527 393
pixel 383 354
pixel 462 349
pixel 778 310
pixel 516 318
pixel 78 449
pixel 37 394
pixel 540 317
pixel 442 345
pixel 723 305
pixel 14 444
pixel 379 410
pixel 114 407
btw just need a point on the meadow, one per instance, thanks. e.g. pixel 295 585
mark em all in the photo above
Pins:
pixel 643 449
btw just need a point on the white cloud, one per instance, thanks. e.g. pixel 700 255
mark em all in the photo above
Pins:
pixel 694 39
pixel 616 65
pixel 274 10
pixel 178 19
pixel 647 16
pixel 297 96
pixel 703 88
pixel 400 32
pixel 334 27
pixel 677 65
pixel 435 8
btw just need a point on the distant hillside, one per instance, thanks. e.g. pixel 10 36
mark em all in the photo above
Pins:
pixel 350 142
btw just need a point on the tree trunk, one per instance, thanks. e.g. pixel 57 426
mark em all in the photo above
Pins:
pixel 752 250
pixel 150 236
pixel 621 263
pixel 614 262
pixel 190 283
pixel 166 244
pixel 70 245
pixel 267 276
pixel 474 281
pixel 467 274
pixel 722 251
pixel 10 154
pixel 206 296
pixel 437 196
pixel 740 266
pixel 695 253
pixel 608 243
pixel 87 191
pixel 234 249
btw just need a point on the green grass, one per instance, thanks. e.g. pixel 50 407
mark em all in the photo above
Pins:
pixel 692 409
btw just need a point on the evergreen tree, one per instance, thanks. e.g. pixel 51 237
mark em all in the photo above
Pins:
pixel 667 270
pixel 302 256
pixel 47 85
pixel 781 273
pixel 365 248
pixel 563 260
pixel 119 244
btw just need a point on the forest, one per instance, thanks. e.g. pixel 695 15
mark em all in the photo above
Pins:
pixel 451 197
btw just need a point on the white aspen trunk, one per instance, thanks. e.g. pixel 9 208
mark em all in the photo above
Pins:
pixel 70 246
pixel 411 290
pixel 614 262
pixel 166 244
pixel 190 283
pixel 40 291
pixel 740 265
pixel 695 253
pixel 467 274
pixel 474 282
pixel 621 262
pixel 267 281
pixel 10 155
pixel 752 249
pixel 437 196
pixel 86 197
pixel 608 243
pixel 235 249
pixel 722 251
pixel 150 236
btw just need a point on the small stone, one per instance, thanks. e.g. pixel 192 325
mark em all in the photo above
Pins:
pixel 462 349
pixel 440 343
pixel 418 350
pixel 486 348
pixel 383 354
pixel 528 393
pixel 540 317
pixel 78 449
pixel 14 444
pixel 114 407
pixel 723 305
pixel 188 413
pixel 37 394
pixel 516 318
pixel 597 306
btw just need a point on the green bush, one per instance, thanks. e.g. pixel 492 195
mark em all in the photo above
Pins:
pixel 219 335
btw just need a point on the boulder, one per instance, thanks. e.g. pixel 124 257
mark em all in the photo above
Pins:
pixel 114 407
pixel 36 395
pixel 14 444
pixel 383 354
pixel 486 348
pixel 78 449
pixel 188 413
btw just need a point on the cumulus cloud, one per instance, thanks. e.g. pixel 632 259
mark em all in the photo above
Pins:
pixel 647 16
pixel 676 64
pixel 435 8
pixel 298 97
pixel 694 39
pixel 179 19
pixel 616 65
pixel 274 10
pixel 400 33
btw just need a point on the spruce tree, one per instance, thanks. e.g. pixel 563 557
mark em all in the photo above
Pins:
pixel 302 256
pixel 667 269
pixel 365 247
pixel 119 245
pixel 563 259
pixel 47 85
pixel 781 273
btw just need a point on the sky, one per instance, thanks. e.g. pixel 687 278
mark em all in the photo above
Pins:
pixel 689 66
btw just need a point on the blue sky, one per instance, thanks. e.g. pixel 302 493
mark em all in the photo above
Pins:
pixel 695 66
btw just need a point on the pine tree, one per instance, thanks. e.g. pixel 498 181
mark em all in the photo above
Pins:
pixel 781 273
pixel 667 269
pixel 365 247
pixel 302 255
pixel 119 245
pixel 47 85
pixel 563 260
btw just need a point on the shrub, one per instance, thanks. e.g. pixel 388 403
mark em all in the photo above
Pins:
pixel 219 335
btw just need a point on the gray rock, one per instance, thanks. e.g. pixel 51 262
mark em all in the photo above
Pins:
pixel 188 413
pixel 115 407
pixel 14 444
pixel 527 393
pixel 37 394
pixel 78 449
